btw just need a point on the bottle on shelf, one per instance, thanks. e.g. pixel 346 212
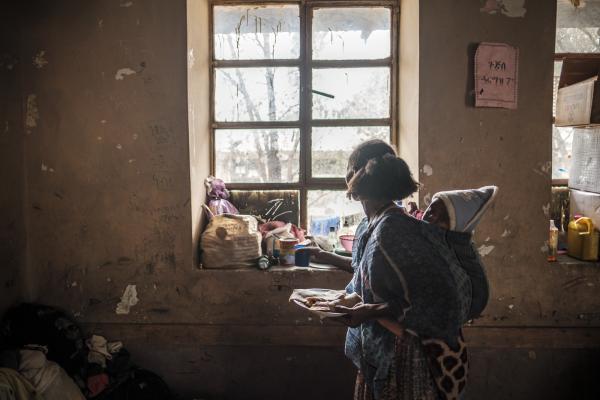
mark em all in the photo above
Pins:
pixel 345 229
pixel 552 242
pixel 332 238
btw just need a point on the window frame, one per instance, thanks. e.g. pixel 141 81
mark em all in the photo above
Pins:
pixel 306 64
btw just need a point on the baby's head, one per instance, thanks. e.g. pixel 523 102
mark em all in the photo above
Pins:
pixel 459 210
pixel 437 214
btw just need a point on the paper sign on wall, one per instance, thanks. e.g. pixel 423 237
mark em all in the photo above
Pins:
pixel 496 75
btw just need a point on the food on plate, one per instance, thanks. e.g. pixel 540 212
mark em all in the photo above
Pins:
pixel 343 299
pixel 323 301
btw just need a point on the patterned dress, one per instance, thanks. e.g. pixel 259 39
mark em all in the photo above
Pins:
pixel 407 264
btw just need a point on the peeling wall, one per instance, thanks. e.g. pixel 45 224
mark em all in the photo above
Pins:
pixel 461 146
pixel 112 201
pixel 107 149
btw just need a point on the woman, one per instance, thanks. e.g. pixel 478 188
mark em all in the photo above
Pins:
pixel 405 336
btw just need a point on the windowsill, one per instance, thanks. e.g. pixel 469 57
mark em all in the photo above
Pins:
pixel 566 260
pixel 314 267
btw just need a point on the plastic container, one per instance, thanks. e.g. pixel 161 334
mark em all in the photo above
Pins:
pixel 287 253
pixel 332 238
pixel 301 256
pixel 582 239
pixel 347 242
pixel 553 242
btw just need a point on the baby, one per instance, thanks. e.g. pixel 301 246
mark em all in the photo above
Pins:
pixel 459 212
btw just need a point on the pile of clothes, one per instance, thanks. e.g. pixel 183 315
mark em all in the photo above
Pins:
pixel 44 356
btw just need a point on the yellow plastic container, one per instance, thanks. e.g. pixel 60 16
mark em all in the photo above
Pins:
pixel 582 239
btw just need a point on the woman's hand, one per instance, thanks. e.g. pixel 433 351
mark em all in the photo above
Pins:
pixel 360 313
pixel 316 254
pixel 326 257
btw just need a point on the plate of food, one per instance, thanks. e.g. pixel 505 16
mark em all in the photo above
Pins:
pixel 323 301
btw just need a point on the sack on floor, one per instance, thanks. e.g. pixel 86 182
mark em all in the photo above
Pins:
pixel 231 241
pixel 47 326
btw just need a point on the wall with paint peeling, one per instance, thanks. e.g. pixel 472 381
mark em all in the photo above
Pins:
pixel 13 280
pixel 106 143
pixel 112 203
pixel 461 146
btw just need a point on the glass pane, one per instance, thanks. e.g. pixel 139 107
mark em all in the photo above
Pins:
pixel 351 33
pixel 256 32
pixel 270 205
pixel 578 28
pixel 257 155
pixel 257 94
pixel 562 143
pixel 557 69
pixel 351 93
pixel 331 208
pixel 331 147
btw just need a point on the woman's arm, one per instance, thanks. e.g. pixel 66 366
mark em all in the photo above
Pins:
pixel 363 312
pixel 326 257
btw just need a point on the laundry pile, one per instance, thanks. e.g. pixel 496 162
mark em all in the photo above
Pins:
pixel 44 355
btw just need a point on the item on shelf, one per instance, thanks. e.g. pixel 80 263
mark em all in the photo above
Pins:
pixel 578 97
pixel 584 173
pixel 582 239
pixel 231 241
pixel 287 253
pixel 553 242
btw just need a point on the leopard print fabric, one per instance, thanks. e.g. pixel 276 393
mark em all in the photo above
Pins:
pixel 448 366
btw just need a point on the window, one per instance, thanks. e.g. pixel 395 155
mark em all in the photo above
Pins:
pixel 577 32
pixel 295 87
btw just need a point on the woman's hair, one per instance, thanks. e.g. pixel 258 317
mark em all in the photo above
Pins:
pixel 375 173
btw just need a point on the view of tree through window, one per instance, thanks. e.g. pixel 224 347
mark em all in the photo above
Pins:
pixel 295 88
pixel 577 31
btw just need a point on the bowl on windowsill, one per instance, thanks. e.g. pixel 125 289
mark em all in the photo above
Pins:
pixel 347 242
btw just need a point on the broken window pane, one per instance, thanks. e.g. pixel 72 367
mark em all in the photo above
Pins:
pixel 351 33
pixel 270 205
pixel 562 143
pixel 578 28
pixel 557 69
pixel 562 138
pixel 257 155
pixel 331 147
pixel 351 93
pixel 328 208
pixel 257 94
pixel 256 32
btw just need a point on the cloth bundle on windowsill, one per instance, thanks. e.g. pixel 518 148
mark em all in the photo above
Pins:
pixel 231 241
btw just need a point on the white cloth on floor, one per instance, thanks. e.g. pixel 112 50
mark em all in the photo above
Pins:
pixel 101 350
pixel 48 378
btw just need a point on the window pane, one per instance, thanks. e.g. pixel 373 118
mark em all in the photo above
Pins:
pixel 256 32
pixel 357 93
pixel 557 69
pixel 331 147
pixel 271 205
pixel 331 208
pixel 562 143
pixel 578 28
pixel 257 155
pixel 351 33
pixel 257 94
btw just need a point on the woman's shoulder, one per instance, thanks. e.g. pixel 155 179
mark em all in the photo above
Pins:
pixel 402 225
pixel 397 221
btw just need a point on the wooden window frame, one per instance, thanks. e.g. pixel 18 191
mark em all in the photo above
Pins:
pixel 305 64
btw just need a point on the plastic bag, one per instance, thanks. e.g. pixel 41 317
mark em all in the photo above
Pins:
pixel 218 196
